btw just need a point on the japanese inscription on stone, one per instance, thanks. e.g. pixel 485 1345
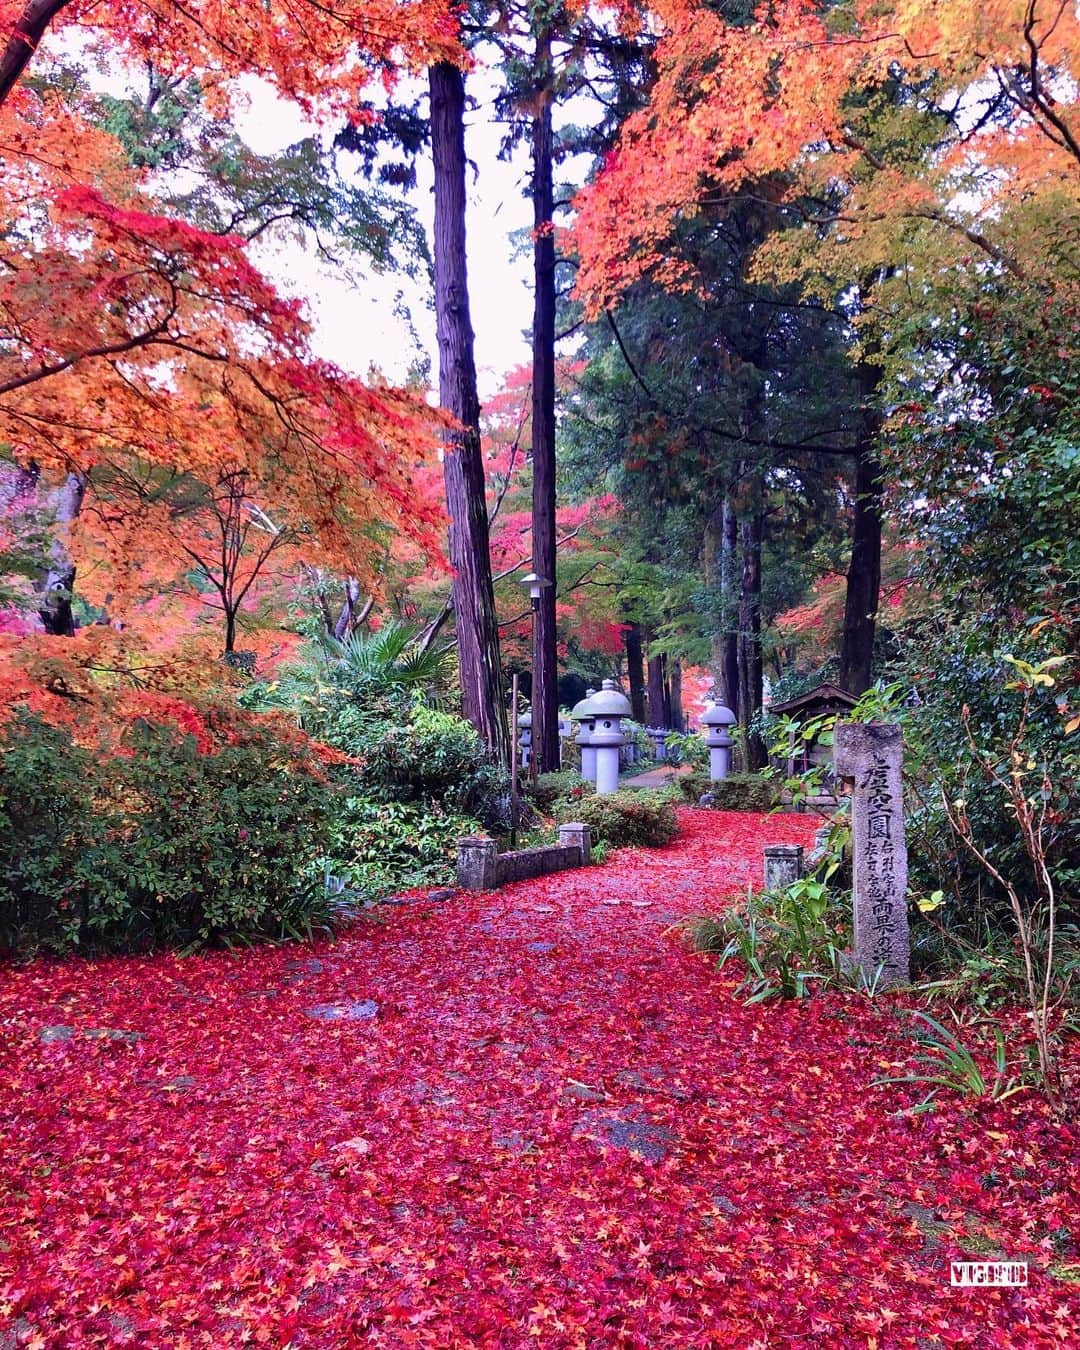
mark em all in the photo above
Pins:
pixel 871 756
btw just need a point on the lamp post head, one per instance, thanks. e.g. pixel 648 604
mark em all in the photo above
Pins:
pixel 534 583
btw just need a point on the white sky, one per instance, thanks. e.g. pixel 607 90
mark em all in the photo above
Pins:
pixel 357 327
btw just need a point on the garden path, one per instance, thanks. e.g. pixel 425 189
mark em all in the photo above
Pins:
pixel 524 1118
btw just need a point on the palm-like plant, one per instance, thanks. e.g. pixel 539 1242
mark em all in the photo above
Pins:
pixel 388 658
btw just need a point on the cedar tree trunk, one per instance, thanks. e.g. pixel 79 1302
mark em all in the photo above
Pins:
pixel 864 570
pixel 472 592
pixel 658 705
pixel 545 698
pixel 635 668
pixel 750 663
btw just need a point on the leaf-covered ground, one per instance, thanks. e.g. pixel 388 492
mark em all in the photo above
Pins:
pixel 524 1118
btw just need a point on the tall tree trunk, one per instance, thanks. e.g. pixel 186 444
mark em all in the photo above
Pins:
pixel 678 721
pixel 864 570
pixel 58 584
pixel 729 549
pixel 545 699
pixel 751 673
pixel 658 703
pixel 720 551
pixel 472 592
pixel 635 669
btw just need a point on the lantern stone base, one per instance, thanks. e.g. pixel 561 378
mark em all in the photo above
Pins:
pixel 481 867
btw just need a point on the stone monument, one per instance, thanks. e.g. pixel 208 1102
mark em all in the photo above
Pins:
pixel 871 756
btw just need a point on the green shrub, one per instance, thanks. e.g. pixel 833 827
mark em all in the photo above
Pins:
pixel 545 790
pixel 380 847
pixel 633 817
pixel 789 941
pixel 737 792
pixel 686 749
pixel 157 842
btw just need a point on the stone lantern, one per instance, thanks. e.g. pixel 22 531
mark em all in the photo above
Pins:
pixel 525 736
pixel 717 722
pixel 582 714
pixel 658 736
pixel 608 708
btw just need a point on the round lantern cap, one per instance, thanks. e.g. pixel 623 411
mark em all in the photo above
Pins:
pixel 716 715
pixel 609 702
pixel 583 708
pixel 525 719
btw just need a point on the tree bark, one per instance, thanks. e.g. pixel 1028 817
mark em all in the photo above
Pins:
pixel 58 585
pixel 635 670
pixel 720 552
pixel 545 699
pixel 751 672
pixel 23 41
pixel 864 570
pixel 678 721
pixel 659 709
pixel 472 592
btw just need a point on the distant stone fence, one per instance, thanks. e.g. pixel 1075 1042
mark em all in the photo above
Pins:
pixel 481 867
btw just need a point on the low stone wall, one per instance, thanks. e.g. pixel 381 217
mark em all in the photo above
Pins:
pixel 481 867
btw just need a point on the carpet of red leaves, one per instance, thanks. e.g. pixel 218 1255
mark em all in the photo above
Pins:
pixel 558 1129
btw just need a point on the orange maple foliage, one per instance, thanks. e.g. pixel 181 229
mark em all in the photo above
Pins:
pixel 734 106
pixel 134 346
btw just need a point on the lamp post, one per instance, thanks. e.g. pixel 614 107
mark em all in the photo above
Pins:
pixel 535 585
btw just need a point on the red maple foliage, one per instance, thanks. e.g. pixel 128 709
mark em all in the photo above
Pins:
pixel 523 1117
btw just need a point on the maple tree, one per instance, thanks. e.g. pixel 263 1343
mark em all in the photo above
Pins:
pixel 158 343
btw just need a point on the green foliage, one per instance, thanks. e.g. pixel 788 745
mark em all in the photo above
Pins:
pixel 789 941
pixel 546 788
pixel 380 847
pixel 736 792
pixel 369 698
pixel 367 664
pixel 948 1063
pixel 688 749
pixel 634 818
pixel 156 844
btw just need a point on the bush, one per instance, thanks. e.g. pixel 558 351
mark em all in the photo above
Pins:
pixel 380 847
pixel 737 792
pixel 545 790
pixel 686 749
pixel 633 817
pixel 158 839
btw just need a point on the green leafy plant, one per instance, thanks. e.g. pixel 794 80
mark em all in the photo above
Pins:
pixel 680 748
pixel 789 941
pixel 948 1063
pixel 546 788
pixel 634 817
pixel 737 792
pixel 379 847
pixel 158 843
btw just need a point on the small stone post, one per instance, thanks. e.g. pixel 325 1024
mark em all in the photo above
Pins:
pixel 783 865
pixel 578 836
pixel 871 756
pixel 477 863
